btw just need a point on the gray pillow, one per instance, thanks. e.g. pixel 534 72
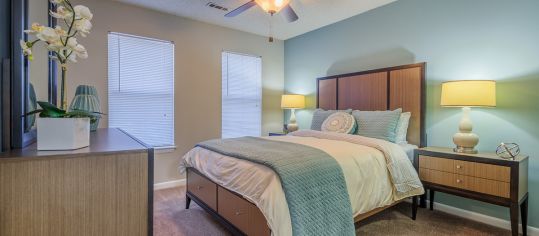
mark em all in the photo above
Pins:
pixel 320 115
pixel 377 124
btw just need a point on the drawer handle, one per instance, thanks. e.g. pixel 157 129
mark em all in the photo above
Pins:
pixel 458 166
pixel 238 213
pixel 199 187
pixel 459 181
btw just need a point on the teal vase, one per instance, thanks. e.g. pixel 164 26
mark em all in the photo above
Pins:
pixel 86 99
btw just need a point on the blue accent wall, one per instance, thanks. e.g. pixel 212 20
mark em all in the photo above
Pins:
pixel 459 39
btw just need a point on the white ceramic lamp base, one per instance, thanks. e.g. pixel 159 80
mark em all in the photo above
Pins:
pixel 292 125
pixel 465 140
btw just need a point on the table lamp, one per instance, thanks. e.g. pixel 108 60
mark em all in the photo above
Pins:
pixel 292 102
pixel 467 94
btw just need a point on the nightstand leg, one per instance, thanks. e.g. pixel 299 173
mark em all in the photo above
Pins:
pixel 187 202
pixel 524 216
pixel 431 194
pixel 414 207
pixel 423 200
pixel 514 218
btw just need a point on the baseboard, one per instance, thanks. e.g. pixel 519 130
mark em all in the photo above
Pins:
pixel 169 184
pixel 489 220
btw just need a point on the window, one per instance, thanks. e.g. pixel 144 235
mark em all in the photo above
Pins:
pixel 241 95
pixel 141 88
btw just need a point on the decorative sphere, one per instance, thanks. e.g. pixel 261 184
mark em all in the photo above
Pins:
pixel 508 150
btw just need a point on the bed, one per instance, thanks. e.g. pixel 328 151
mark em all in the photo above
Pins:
pixel 248 197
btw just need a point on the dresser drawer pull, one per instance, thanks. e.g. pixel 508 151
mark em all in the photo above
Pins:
pixel 459 181
pixel 238 213
pixel 458 166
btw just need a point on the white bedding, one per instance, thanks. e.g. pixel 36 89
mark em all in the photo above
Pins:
pixel 365 170
pixel 409 150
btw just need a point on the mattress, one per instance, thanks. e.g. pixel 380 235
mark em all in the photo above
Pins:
pixel 365 170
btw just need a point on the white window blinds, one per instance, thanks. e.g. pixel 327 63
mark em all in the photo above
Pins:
pixel 141 88
pixel 241 95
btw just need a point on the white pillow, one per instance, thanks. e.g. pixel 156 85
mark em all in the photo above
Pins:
pixel 402 128
pixel 340 122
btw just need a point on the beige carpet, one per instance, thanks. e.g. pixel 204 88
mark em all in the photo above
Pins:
pixel 171 218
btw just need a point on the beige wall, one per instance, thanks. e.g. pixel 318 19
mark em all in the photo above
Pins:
pixel 198 48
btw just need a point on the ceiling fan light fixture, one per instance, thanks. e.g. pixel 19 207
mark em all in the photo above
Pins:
pixel 272 6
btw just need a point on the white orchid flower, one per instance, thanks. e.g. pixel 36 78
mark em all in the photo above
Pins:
pixel 72 57
pixel 56 1
pixel 83 12
pixel 60 31
pixel 48 35
pixel 61 13
pixel 81 51
pixel 26 48
pixel 72 42
pixel 83 26
pixel 36 28
pixel 55 46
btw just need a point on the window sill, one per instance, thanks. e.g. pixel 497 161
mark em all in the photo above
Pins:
pixel 165 149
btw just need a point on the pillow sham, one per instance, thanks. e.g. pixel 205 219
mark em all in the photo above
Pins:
pixel 320 115
pixel 402 128
pixel 340 122
pixel 377 124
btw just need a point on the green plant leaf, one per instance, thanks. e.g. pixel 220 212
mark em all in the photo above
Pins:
pixel 33 112
pixel 50 110
pixel 82 114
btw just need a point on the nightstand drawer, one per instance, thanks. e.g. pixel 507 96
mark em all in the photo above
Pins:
pixel 438 177
pixel 487 186
pixel 481 170
pixel 435 163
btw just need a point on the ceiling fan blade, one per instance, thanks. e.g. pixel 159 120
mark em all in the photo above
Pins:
pixel 290 14
pixel 241 9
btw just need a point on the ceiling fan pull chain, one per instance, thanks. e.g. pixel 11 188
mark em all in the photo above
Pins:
pixel 271 28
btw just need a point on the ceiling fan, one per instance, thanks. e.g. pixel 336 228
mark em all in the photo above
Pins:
pixel 270 6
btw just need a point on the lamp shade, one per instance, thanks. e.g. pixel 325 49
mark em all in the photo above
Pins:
pixel 469 93
pixel 272 6
pixel 292 101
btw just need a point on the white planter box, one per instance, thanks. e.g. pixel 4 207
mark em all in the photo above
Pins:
pixel 62 133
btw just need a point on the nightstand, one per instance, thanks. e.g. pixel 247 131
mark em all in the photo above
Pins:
pixel 483 177
pixel 276 134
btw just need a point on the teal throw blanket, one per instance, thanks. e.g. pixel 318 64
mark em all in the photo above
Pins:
pixel 312 181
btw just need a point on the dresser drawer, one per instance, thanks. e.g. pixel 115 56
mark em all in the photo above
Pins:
pixel 435 163
pixel 242 213
pixel 438 177
pixel 202 188
pixel 481 170
pixel 487 186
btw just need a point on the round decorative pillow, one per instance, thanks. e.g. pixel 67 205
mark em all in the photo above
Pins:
pixel 340 122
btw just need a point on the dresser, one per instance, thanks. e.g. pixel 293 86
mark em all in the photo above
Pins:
pixel 104 189
pixel 483 176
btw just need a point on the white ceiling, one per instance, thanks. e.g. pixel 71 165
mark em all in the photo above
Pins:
pixel 313 14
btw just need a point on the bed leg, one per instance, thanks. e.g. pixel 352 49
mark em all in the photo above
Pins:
pixel 187 202
pixel 414 207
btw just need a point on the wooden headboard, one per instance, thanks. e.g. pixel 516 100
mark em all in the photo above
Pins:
pixel 380 89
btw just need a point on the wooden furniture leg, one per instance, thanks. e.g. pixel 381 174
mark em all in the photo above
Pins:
pixel 524 216
pixel 414 207
pixel 423 200
pixel 431 194
pixel 514 218
pixel 187 202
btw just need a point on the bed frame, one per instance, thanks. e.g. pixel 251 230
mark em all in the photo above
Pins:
pixel 381 89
